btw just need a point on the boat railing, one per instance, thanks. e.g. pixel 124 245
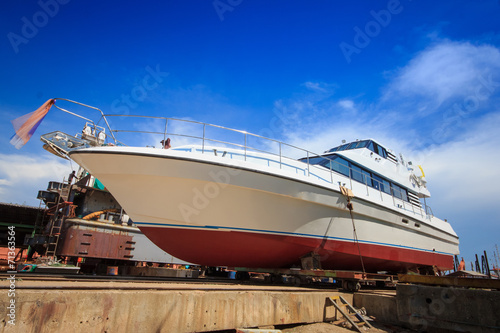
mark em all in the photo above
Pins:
pixel 282 152
pixel 428 210
pixel 285 155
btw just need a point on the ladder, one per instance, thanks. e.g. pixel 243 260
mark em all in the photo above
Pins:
pixel 349 313
pixel 58 217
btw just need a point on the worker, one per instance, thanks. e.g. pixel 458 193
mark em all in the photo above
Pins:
pixel 166 143
pixel 71 177
pixel 461 266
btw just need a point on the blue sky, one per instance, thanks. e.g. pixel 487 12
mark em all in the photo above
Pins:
pixel 422 77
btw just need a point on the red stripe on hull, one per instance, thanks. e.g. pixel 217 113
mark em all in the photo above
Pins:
pixel 246 249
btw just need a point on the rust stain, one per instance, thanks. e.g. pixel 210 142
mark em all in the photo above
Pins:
pixel 96 244
pixel 43 316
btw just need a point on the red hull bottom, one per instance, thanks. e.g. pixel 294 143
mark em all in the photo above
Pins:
pixel 257 250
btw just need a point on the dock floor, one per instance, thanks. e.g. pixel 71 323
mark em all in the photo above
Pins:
pixel 131 306
pixel 126 305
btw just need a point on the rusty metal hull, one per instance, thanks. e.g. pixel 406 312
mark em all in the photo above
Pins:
pixel 93 239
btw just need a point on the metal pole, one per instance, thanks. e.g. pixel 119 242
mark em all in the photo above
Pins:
pixel 331 172
pixel 487 265
pixel 366 183
pixel 203 141
pixel 280 153
pixel 165 133
pixel 308 171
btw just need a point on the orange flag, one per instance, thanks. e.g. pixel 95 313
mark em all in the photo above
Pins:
pixel 26 125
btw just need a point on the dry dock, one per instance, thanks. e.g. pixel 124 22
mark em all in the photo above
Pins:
pixel 74 305
pixel 86 306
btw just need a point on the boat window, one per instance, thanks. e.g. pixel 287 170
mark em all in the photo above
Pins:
pixel 382 152
pixel 358 144
pixel 356 173
pixel 374 147
pixel 352 145
pixel 361 144
pixel 340 165
pixel 377 149
pixel 314 160
pixel 387 186
pixel 371 146
pixel 343 147
pixel 399 192
pixel 367 178
pixel 381 184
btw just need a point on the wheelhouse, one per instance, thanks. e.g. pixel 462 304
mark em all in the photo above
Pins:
pixel 339 164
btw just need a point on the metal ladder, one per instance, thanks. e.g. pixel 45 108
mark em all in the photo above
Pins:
pixel 349 313
pixel 58 219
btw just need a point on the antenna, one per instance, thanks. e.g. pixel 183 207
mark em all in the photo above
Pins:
pixel 497 256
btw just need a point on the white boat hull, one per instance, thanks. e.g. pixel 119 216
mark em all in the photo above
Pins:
pixel 213 211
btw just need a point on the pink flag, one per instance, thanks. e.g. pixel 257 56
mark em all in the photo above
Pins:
pixel 26 125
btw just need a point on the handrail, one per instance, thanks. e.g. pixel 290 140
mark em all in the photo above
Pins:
pixel 88 106
pixel 281 147
pixel 245 147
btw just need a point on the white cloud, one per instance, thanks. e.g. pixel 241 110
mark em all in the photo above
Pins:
pixel 317 86
pixel 463 174
pixel 21 176
pixel 346 104
pixel 429 101
pixel 444 72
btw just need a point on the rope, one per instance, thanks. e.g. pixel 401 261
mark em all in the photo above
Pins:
pixel 348 195
pixel 349 205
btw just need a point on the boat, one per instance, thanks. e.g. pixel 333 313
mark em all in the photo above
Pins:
pixel 258 202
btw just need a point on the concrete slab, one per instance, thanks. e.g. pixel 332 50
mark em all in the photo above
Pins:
pixel 432 308
pixel 381 305
pixel 83 306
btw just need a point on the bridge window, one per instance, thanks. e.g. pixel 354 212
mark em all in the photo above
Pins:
pixel 381 184
pixel 358 144
pixel 399 192
pixel 356 173
pixel 359 174
pixel 340 165
pixel 367 178
pixel 377 149
pixel 315 160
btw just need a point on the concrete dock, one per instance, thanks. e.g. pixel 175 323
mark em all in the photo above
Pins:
pixel 86 306
pixel 74 305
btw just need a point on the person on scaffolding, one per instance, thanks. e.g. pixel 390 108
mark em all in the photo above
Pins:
pixel 165 143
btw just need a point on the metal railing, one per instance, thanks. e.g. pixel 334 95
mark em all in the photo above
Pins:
pixel 281 157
